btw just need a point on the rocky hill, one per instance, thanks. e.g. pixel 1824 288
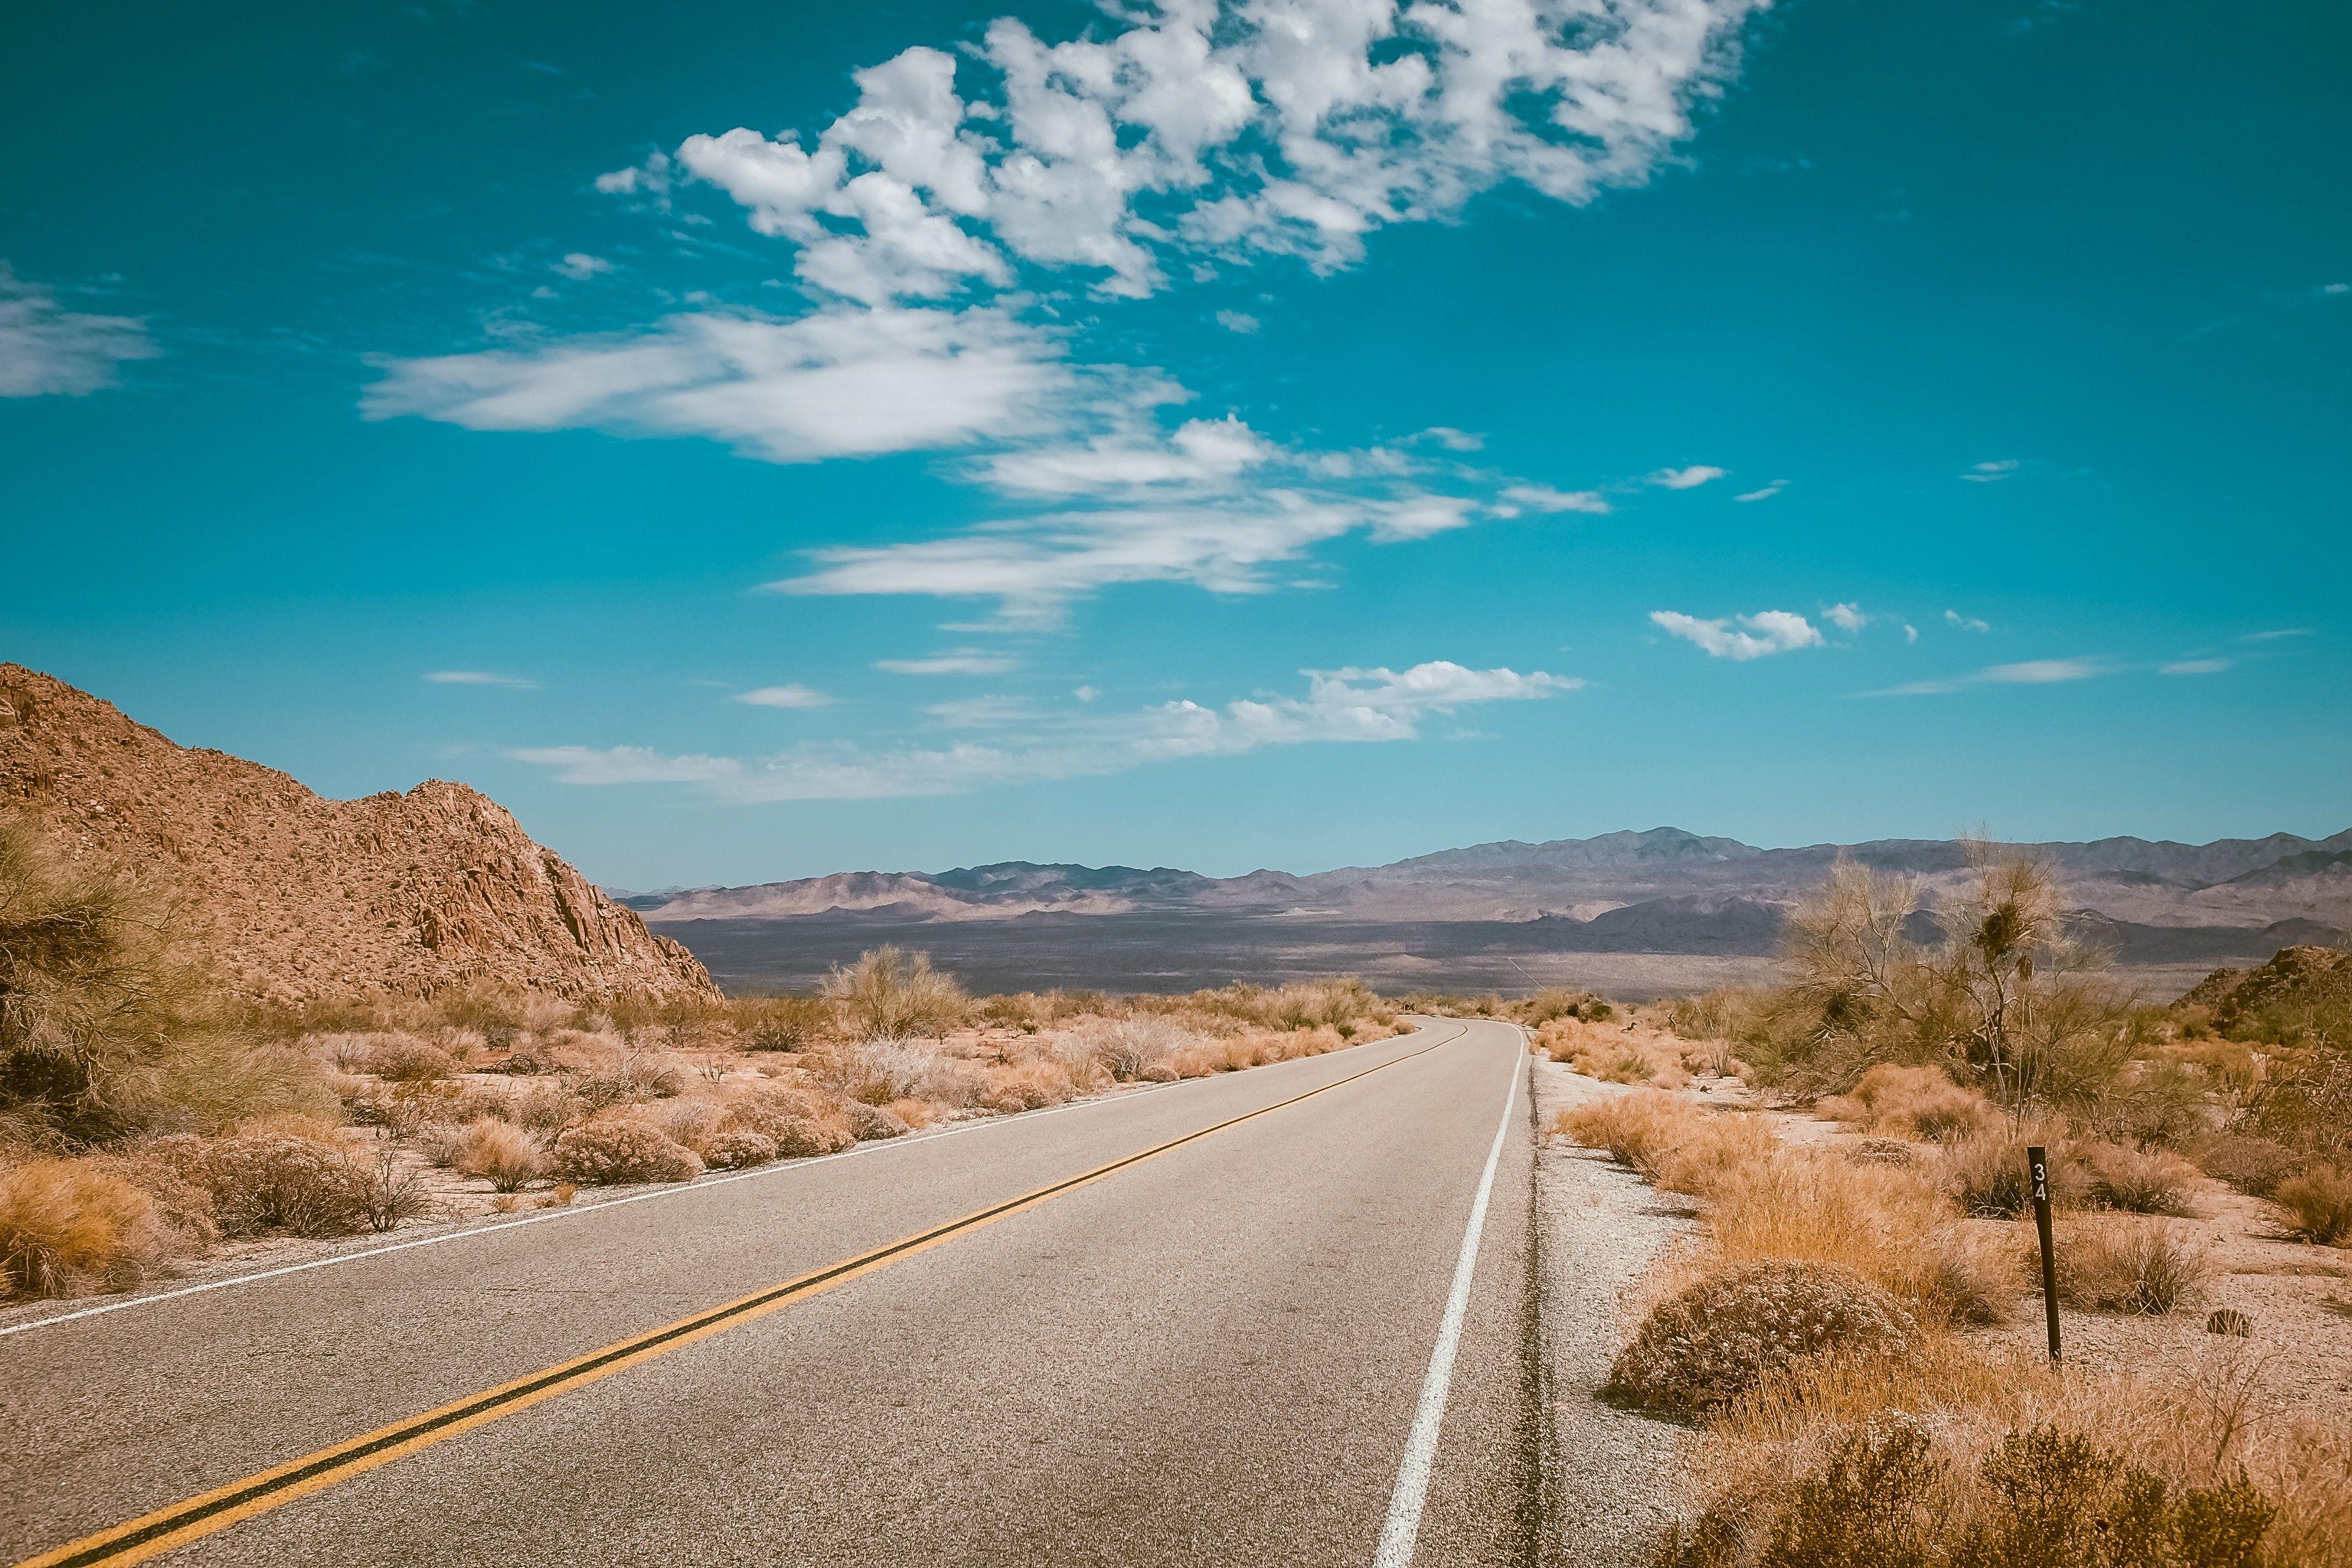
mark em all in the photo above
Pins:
pixel 297 898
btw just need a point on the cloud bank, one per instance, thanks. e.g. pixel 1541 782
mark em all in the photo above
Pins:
pixel 1350 705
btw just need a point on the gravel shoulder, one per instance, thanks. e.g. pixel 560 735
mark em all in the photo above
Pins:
pixel 1612 1473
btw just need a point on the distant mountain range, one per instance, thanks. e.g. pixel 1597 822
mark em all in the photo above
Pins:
pixel 1666 885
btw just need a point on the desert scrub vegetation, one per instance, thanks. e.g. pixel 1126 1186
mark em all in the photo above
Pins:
pixel 144 1120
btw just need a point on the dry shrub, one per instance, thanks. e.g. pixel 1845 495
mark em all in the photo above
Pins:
pixel 737 1148
pixel 2136 1183
pixel 881 1071
pixel 2141 1267
pixel 607 1154
pixel 1127 1048
pixel 1715 1340
pixel 546 1109
pixel 869 1123
pixel 394 1057
pixel 438 1144
pixel 500 1153
pixel 66 1228
pixel 2253 1165
pixel 1029 1086
pixel 783 1023
pixel 394 1193
pixel 1913 1102
pixel 2320 1200
pixel 796 1120
pixel 889 993
pixel 290 1177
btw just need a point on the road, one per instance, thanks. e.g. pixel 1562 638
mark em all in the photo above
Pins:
pixel 1223 1352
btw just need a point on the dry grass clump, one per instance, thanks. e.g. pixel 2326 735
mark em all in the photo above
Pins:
pixel 608 1153
pixel 1912 1102
pixel 1987 1176
pixel 66 1228
pixel 869 1123
pixel 1680 1146
pixel 2251 1165
pixel 2320 1201
pixel 796 1122
pixel 1130 1049
pixel 2042 1499
pixel 1716 1339
pixel 2198 1429
pixel 2142 1266
pixel 500 1153
pixel 2135 1181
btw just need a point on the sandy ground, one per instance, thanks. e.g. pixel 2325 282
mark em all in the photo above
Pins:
pixel 1600 1227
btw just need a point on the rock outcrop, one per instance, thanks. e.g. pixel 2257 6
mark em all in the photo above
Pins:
pixel 295 898
pixel 2294 977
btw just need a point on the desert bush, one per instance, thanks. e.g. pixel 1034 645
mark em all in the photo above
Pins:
pixel 887 993
pixel 546 1109
pixel 394 1194
pixel 500 1153
pixel 2320 1201
pixel 396 1058
pixel 1029 1086
pixel 869 1123
pixel 438 1144
pixel 66 1228
pixel 109 1027
pixel 608 1153
pixel 2119 1178
pixel 273 1180
pixel 796 1122
pixel 783 1023
pixel 882 1069
pixel 1912 1102
pixel 2138 1266
pixel 1715 1340
pixel 2253 1165
pixel 1129 1047
pixel 736 1148
pixel 1557 1001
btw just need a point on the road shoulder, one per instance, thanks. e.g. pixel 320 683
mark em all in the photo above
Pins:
pixel 1611 1473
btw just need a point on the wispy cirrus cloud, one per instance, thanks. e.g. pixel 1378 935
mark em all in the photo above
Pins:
pixel 1993 472
pixel 1339 706
pixel 790 695
pixel 950 661
pixel 2028 672
pixel 2195 666
pixel 1959 622
pixel 1742 637
pixel 479 678
pixel 47 350
pixel 1688 479
pixel 1766 493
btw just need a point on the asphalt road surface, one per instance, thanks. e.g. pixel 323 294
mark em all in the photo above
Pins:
pixel 1253 1347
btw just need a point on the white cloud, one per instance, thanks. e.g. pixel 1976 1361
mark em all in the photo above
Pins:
pixel 1339 706
pixel 2195 667
pixel 986 713
pixel 1085 693
pixel 1543 497
pixel 1910 633
pixel 838 383
pixel 1766 493
pixel 47 349
pixel 580 266
pixel 952 662
pixel 786 696
pixel 479 678
pixel 2030 672
pixel 1988 473
pixel 1687 479
pixel 1454 440
pixel 1966 623
pixel 2276 635
pixel 1240 321
pixel 1231 130
pixel 1754 636
pixel 1847 618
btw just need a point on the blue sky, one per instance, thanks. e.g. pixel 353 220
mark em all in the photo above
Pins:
pixel 776 439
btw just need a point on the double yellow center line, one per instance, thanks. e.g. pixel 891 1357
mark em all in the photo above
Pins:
pixel 152 1534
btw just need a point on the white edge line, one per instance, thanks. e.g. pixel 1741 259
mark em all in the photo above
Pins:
pixel 1402 1529
pixel 579 1210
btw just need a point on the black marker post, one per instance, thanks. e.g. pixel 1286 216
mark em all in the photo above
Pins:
pixel 2037 1165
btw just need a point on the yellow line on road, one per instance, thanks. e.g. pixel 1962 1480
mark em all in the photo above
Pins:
pixel 152 1534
